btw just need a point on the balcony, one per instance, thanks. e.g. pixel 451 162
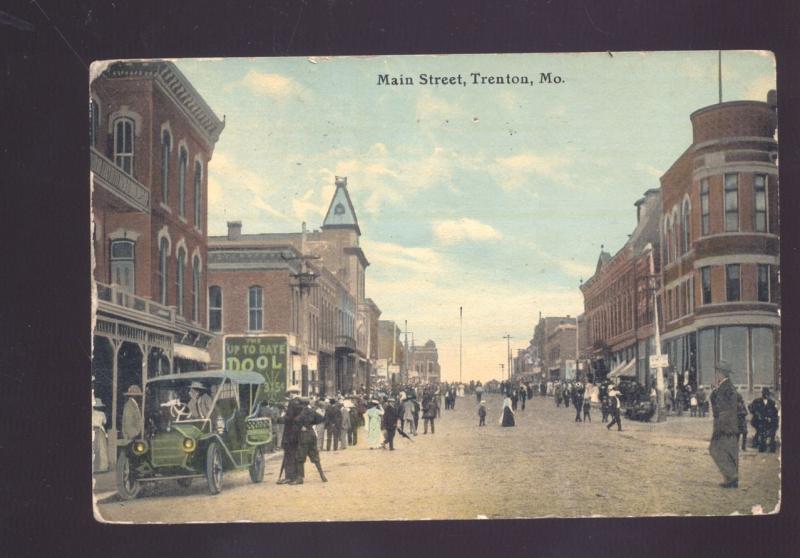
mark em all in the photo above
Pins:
pixel 122 186
pixel 346 343
pixel 118 296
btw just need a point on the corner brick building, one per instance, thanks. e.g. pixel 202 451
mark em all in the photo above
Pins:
pixel 720 248
pixel 151 139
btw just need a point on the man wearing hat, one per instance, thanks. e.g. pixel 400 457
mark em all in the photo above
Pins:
pixel 765 421
pixel 291 436
pixel 614 405
pixel 307 441
pixel 132 413
pixel 199 401
pixel 724 447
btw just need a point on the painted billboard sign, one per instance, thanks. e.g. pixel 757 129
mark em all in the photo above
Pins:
pixel 266 355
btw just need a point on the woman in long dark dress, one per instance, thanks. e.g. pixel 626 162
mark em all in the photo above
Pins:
pixel 507 416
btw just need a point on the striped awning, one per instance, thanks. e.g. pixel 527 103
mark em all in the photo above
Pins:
pixel 623 369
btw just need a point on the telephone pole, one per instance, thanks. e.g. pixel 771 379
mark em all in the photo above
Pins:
pixel 507 337
pixel 460 342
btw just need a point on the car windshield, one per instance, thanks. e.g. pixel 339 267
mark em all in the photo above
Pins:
pixel 179 400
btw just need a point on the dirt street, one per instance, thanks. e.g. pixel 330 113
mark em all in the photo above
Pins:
pixel 548 465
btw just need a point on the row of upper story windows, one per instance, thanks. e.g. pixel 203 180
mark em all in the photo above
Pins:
pixel 122 271
pixel 334 320
pixel 124 152
pixel 677 227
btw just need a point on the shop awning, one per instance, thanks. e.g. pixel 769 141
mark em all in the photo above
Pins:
pixel 623 369
pixel 191 353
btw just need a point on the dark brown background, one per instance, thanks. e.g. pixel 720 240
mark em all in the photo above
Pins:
pixel 45 489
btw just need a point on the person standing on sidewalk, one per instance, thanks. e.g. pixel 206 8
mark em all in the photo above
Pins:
pixel 724 447
pixel 374 415
pixel 614 408
pixel 333 425
pixel 100 440
pixel 741 416
pixel 389 423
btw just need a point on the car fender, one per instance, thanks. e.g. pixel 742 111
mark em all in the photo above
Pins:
pixel 203 442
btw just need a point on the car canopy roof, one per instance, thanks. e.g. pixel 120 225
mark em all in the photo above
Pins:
pixel 235 376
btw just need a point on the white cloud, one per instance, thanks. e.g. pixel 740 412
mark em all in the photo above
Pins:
pixel 649 169
pixel 431 108
pixel 393 256
pixel 276 86
pixel 454 231
pixel 518 170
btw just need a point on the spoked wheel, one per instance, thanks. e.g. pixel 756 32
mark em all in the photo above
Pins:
pixel 128 486
pixel 214 468
pixel 185 483
pixel 258 466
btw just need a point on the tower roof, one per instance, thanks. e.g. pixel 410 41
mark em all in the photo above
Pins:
pixel 341 213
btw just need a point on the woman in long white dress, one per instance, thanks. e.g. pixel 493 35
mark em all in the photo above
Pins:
pixel 374 414
pixel 99 440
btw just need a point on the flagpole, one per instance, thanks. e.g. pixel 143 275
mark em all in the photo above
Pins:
pixel 460 342
pixel 719 73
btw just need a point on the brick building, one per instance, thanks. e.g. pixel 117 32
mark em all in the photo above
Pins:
pixel 618 309
pixel 261 274
pixel 391 351
pixel 552 345
pixel 152 136
pixel 425 363
pixel 720 248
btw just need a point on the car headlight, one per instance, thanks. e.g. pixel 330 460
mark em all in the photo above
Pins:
pixel 139 447
pixel 189 444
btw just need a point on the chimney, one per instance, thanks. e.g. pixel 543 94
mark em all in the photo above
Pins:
pixel 234 230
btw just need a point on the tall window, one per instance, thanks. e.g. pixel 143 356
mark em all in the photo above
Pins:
pixel 705 283
pixel 763 283
pixel 123 144
pixel 687 211
pixel 198 189
pixel 705 221
pixel 255 308
pixel 732 282
pixel 195 288
pixel 181 263
pixel 182 162
pixel 166 148
pixel 731 202
pixel 163 251
pixel 122 264
pixel 760 193
pixel 215 308
pixel 667 240
pixel 94 122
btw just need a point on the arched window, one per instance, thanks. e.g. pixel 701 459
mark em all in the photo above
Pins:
pixel 195 288
pixel 163 253
pixel 182 162
pixel 667 235
pixel 215 308
pixel 166 149
pixel 181 264
pixel 255 308
pixel 687 211
pixel 123 144
pixel 123 265
pixel 198 190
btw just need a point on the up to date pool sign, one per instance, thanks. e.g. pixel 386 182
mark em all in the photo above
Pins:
pixel 659 361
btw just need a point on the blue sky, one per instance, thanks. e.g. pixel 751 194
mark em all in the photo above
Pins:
pixel 491 197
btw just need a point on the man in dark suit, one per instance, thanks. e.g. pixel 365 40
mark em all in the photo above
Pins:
pixel 765 421
pixel 724 447
pixel 390 417
pixel 333 425
pixel 614 406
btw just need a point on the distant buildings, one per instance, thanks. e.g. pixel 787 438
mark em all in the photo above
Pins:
pixel 424 363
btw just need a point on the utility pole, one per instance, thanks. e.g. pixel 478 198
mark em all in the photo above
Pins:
pixel 306 280
pixel 719 73
pixel 405 360
pixel 507 337
pixel 460 342
pixel 653 286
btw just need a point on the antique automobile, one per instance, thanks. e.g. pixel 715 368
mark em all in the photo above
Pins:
pixel 178 445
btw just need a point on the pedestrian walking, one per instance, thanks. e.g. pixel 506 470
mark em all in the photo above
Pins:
pixel 390 415
pixel 291 436
pixel 333 425
pixel 604 408
pixel 344 433
pixel 482 414
pixel 428 415
pixel 415 413
pixel 99 438
pixel 693 406
pixel 702 401
pixel 587 408
pixel 724 447
pixel 557 395
pixel 479 393
pixel 374 417
pixel 319 428
pixel 523 395
pixel 741 417
pixel 614 406
pixel 408 416
pixel 507 415
pixel 577 402
pixel 307 442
